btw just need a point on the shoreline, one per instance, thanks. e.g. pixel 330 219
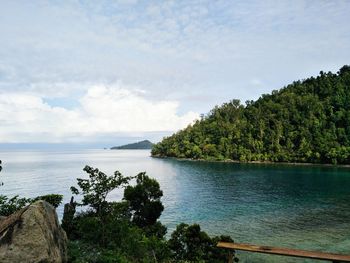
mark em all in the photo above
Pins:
pixel 254 162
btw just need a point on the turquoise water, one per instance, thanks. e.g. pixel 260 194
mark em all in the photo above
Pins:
pixel 305 207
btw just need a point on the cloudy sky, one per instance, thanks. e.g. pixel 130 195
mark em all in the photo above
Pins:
pixel 98 71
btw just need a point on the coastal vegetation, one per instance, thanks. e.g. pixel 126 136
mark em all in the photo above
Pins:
pixel 306 121
pixel 129 230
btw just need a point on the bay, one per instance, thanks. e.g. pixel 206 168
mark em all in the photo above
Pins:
pixel 306 207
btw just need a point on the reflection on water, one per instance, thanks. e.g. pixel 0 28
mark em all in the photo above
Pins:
pixel 304 207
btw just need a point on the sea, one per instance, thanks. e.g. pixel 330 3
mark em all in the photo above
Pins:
pixel 291 206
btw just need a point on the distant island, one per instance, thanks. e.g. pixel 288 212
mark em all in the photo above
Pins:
pixel 142 145
pixel 307 121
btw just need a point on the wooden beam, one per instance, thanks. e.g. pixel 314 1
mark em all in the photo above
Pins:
pixel 285 252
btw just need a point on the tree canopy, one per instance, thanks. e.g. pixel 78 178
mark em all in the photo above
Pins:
pixel 306 121
pixel 128 230
pixel 144 199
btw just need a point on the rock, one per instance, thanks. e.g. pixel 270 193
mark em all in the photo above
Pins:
pixel 33 235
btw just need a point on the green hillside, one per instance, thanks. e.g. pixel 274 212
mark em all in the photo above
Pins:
pixel 146 144
pixel 306 121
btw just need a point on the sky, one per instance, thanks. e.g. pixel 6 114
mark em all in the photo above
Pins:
pixel 112 71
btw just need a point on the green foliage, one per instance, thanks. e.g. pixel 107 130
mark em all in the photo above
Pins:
pixel 89 228
pixel 109 226
pixel 189 243
pixel 79 252
pixel 54 199
pixel 307 121
pixel 144 200
pixel 95 190
pixel 10 205
pixel 119 236
pixel 97 187
pixel 128 231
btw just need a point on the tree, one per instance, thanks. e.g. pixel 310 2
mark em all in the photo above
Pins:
pixel 107 226
pixel 96 188
pixel 144 199
pixel 128 231
pixel 189 243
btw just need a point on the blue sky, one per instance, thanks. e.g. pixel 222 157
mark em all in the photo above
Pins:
pixel 96 71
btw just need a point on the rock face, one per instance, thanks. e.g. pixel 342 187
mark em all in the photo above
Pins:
pixel 33 235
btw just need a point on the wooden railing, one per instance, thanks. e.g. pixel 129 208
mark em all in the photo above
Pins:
pixel 231 247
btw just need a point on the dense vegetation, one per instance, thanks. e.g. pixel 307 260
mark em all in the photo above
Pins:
pixel 146 144
pixel 307 121
pixel 129 230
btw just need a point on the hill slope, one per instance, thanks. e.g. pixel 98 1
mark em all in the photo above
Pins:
pixel 146 144
pixel 307 121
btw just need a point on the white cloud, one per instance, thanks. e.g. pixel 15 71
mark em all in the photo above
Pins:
pixel 102 111
pixel 199 53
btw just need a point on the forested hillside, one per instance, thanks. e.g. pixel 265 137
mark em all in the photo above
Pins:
pixel 146 144
pixel 306 121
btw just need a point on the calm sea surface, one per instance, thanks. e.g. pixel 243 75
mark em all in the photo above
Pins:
pixel 305 207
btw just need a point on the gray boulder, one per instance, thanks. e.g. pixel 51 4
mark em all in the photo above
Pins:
pixel 33 235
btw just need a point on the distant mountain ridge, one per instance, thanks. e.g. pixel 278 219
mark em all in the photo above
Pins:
pixel 141 145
